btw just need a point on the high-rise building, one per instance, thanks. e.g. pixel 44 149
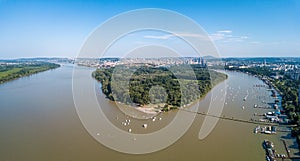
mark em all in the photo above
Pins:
pixel 199 60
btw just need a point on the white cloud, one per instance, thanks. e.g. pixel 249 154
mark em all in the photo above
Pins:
pixel 221 35
pixel 217 36
pixel 163 37
pixel 225 31
pixel 255 42
pixel 167 36
pixel 190 35
pixel 226 36
pixel 244 37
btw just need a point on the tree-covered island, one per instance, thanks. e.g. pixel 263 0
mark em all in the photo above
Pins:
pixel 13 70
pixel 163 87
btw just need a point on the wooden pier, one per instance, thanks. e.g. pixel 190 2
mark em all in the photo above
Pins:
pixel 286 148
pixel 239 120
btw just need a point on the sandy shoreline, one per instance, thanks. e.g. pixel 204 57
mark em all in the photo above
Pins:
pixel 148 110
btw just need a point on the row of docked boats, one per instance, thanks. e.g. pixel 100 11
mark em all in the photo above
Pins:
pixel 265 129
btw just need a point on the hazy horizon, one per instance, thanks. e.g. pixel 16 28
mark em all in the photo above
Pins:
pixel 45 57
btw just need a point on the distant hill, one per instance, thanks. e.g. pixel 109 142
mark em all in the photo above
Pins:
pixel 209 57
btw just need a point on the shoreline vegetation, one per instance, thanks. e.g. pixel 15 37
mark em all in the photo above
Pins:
pixel 157 89
pixel 12 71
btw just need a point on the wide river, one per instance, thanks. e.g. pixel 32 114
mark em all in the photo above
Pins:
pixel 38 122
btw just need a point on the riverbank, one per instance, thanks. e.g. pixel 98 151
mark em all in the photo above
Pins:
pixel 150 109
pixel 14 71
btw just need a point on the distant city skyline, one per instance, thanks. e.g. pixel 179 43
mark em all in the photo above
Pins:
pixel 239 28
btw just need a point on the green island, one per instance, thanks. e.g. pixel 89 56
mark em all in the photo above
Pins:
pixel 165 88
pixel 11 71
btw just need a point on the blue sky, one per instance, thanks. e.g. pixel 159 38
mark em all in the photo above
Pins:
pixel 244 28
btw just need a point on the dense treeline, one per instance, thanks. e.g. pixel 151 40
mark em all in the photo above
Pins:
pixel 176 86
pixel 14 71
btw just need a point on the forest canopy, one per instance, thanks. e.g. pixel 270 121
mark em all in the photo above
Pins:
pixel 17 70
pixel 175 86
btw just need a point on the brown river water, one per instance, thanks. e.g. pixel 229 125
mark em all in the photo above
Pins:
pixel 38 122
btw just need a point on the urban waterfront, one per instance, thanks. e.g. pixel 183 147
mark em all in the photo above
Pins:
pixel 39 122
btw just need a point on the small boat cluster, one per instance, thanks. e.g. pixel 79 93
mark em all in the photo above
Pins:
pixel 271 154
pixel 274 117
pixel 128 121
pixel 265 129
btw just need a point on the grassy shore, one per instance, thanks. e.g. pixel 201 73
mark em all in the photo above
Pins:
pixel 10 72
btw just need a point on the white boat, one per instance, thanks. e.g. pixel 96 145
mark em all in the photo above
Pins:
pixel 268 132
pixel 145 125
pixel 257 129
